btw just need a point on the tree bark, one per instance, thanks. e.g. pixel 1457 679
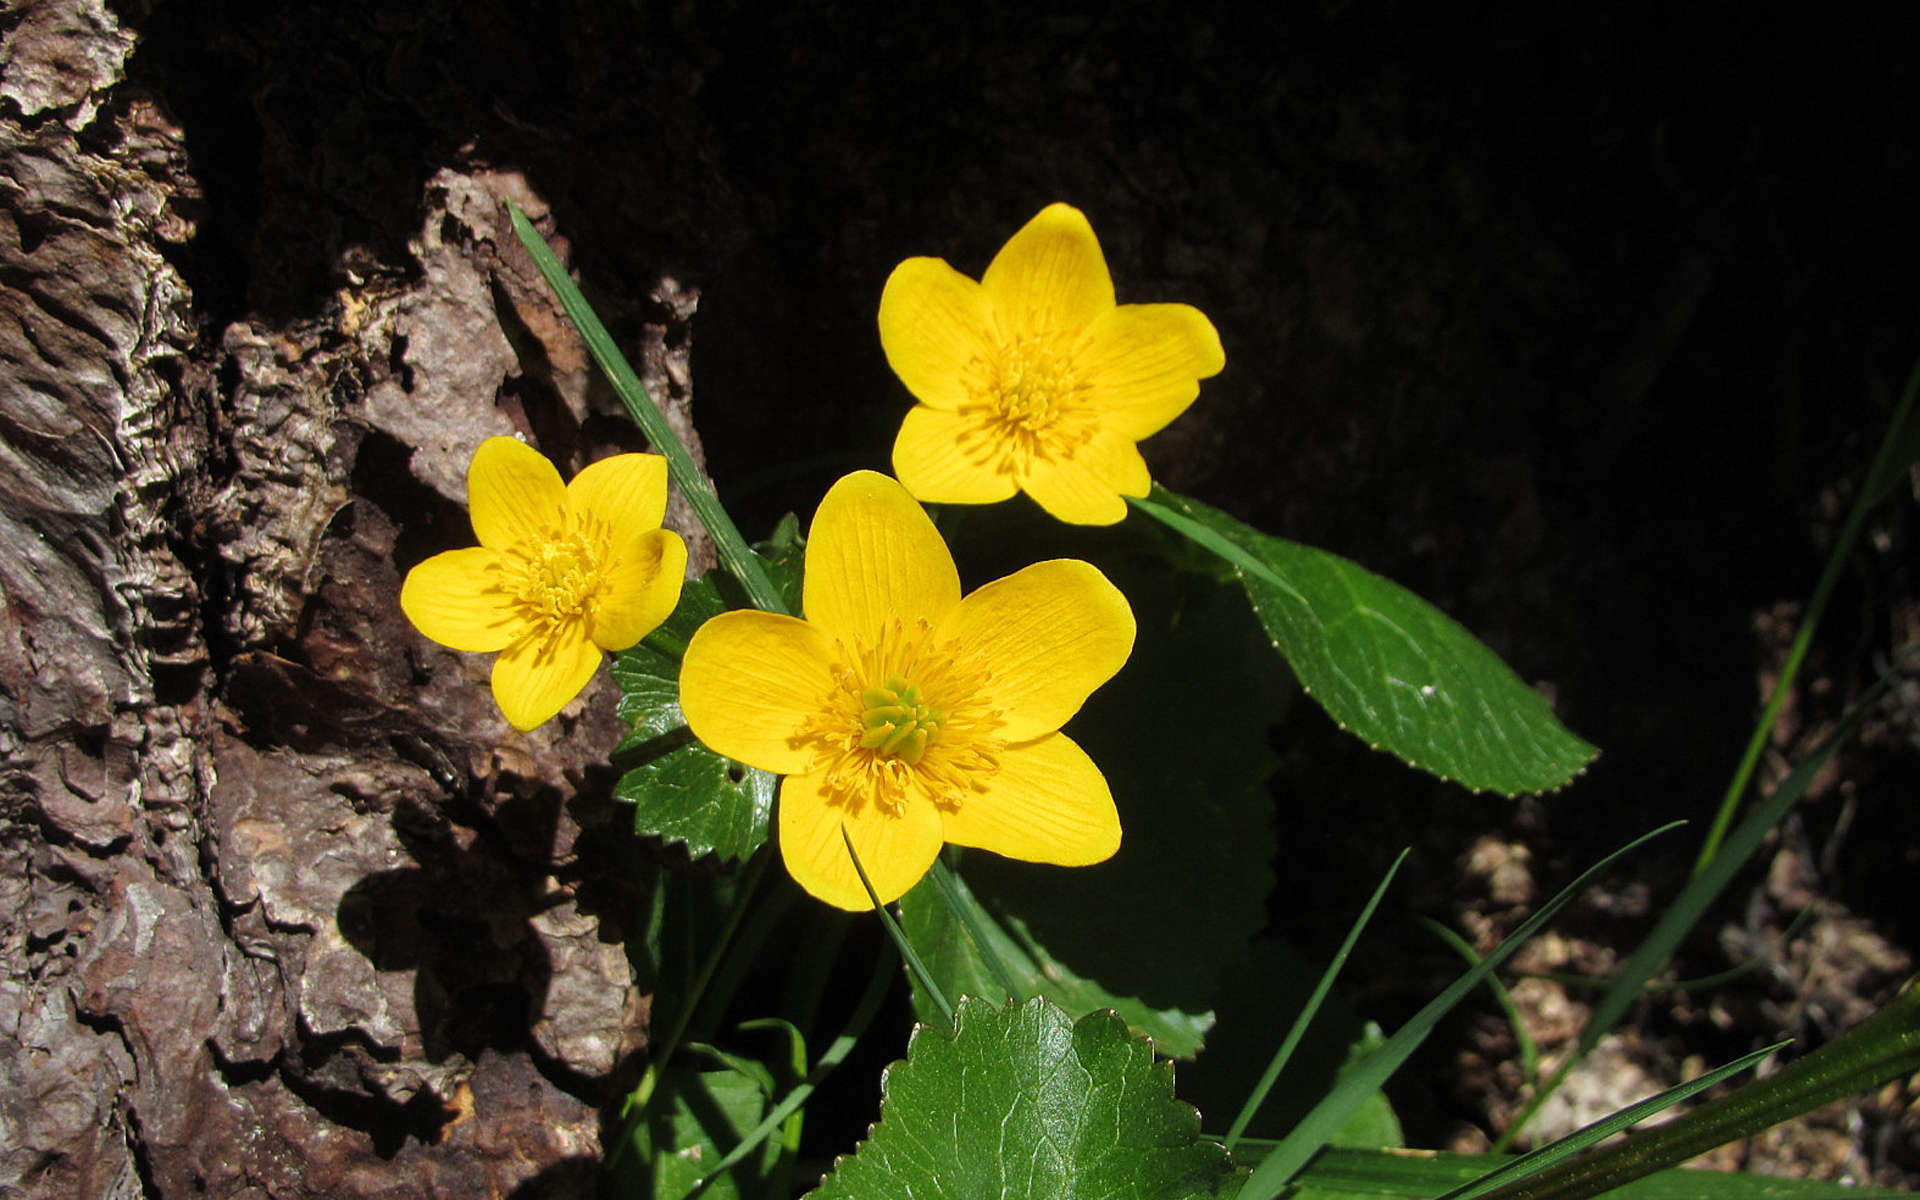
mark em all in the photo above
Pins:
pixel 285 908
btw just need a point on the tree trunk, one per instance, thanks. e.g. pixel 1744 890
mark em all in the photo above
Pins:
pixel 288 910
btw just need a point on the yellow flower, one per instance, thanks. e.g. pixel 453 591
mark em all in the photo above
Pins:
pixel 907 714
pixel 562 572
pixel 1033 379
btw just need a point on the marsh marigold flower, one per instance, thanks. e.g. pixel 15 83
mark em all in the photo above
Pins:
pixel 1033 379
pixel 908 714
pixel 562 572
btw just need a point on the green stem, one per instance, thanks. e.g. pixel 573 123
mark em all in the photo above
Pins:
pixel 1867 497
pixel 898 935
pixel 738 558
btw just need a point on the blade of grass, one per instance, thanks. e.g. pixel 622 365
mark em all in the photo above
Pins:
pixel 1534 1163
pixel 1364 1078
pixel 1870 494
pixel 1882 1047
pixel 733 550
pixel 1424 1173
pixel 1694 899
pixel 1529 1053
pixel 913 962
pixel 965 911
pixel 1306 1015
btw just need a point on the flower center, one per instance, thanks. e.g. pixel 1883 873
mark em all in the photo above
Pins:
pixel 898 725
pixel 556 580
pixel 1027 402
pixel 902 721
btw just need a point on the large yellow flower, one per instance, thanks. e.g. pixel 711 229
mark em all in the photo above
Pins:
pixel 909 715
pixel 1033 379
pixel 562 572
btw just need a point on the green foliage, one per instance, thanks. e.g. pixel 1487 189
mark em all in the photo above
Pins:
pixel 1024 1103
pixel 681 791
pixel 1388 666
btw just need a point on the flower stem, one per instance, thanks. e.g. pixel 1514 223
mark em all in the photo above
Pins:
pixel 739 559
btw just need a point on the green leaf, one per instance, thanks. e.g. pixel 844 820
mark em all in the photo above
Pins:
pixel 681 791
pixel 1138 933
pixel 959 969
pixel 1026 1104
pixel 1386 665
pixel 680 1142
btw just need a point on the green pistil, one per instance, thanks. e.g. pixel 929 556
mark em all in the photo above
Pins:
pixel 898 724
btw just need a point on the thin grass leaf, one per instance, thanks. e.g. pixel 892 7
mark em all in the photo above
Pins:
pixel 1365 1077
pixel 1311 1009
pixel 733 550
pixel 1534 1163
pixel 1425 1173
pixel 1529 1053
pixel 913 962
pixel 1895 442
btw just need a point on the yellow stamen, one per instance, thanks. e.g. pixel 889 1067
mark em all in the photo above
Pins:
pixel 1027 401
pixel 903 720
pixel 558 579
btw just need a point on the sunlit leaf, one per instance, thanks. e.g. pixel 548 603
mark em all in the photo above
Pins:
pixel 1026 1104
pixel 1389 667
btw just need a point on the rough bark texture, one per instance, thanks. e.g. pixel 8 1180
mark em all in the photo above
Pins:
pixel 1578 328
pixel 288 909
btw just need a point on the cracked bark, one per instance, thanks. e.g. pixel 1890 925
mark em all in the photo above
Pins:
pixel 285 909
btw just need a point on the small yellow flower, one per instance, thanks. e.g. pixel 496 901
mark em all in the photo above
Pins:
pixel 907 714
pixel 562 572
pixel 1033 379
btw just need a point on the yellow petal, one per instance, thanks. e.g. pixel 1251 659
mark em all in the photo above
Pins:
pixel 748 682
pixel 627 491
pixel 1048 803
pixel 639 589
pixel 1086 489
pixel 873 557
pixel 932 464
pixel 535 677
pixel 456 599
pixel 513 493
pixel 1050 276
pixel 895 850
pixel 934 324
pixel 1048 635
pixel 1144 364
